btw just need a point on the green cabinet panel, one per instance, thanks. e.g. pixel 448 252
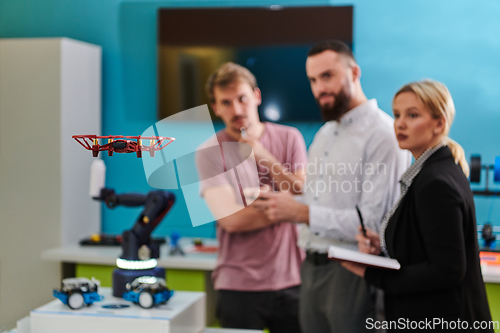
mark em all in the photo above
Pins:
pixel 177 279
pixel 493 292
pixel 188 280
pixel 102 273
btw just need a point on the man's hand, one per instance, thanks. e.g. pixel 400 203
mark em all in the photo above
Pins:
pixel 286 180
pixel 281 207
pixel 260 152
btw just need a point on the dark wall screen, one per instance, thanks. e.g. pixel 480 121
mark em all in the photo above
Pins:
pixel 271 42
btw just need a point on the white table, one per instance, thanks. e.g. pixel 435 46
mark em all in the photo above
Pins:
pixel 72 255
pixel 184 312
pixel 491 273
pixel 106 255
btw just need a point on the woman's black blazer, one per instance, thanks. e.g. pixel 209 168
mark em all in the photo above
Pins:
pixel 433 236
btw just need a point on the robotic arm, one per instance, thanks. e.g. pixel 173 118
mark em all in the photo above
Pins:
pixel 139 255
pixel 136 244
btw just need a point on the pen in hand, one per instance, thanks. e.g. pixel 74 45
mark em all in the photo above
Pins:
pixel 363 226
pixel 361 221
pixel 244 134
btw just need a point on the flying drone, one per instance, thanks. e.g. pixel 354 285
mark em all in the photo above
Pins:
pixel 123 144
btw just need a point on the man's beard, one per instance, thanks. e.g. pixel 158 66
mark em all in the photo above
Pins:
pixel 339 107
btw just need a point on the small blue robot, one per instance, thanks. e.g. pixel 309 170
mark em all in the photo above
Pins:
pixel 148 291
pixel 78 292
pixel 488 236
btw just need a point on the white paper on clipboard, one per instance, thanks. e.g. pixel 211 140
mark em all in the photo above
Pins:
pixel 340 253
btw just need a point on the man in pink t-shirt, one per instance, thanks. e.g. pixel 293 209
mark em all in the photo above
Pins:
pixel 257 275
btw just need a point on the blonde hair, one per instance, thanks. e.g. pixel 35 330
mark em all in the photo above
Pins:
pixel 437 98
pixel 226 75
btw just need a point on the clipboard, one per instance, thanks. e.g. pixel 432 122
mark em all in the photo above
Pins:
pixel 336 252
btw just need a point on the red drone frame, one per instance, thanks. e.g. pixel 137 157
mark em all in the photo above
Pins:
pixel 91 142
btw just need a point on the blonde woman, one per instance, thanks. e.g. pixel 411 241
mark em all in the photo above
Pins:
pixel 431 230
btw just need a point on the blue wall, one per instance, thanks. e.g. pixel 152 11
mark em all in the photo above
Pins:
pixel 454 41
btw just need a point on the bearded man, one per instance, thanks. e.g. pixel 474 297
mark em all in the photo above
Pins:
pixel 354 167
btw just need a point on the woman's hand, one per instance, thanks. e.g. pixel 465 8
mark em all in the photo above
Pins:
pixel 369 244
pixel 357 269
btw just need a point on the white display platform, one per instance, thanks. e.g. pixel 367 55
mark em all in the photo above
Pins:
pixel 491 273
pixel 183 313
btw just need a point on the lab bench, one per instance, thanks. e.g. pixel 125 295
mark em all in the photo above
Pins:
pixel 191 272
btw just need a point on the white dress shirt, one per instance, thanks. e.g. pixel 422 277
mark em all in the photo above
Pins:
pixel 353 162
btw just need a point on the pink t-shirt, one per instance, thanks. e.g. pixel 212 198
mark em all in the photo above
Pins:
pixel 266 259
